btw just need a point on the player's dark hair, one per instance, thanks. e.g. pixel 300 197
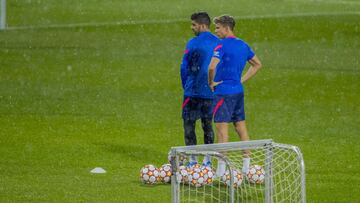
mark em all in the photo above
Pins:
pixel 225 20
pixel 201 18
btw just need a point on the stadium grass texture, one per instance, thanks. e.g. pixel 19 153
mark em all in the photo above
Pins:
pixel 73 98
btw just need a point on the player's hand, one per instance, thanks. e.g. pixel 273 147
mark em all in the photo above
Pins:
pixel 213 84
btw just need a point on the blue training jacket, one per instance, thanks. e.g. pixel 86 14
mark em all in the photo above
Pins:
pixel 194 66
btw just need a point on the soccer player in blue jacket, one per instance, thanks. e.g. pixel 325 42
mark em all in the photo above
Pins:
pixel 226 80
pixel 198 97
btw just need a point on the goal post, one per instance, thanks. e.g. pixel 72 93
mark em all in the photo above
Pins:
pixel 282 166
pixel 2 14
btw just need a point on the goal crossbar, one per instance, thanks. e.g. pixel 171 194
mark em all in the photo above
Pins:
pixel 222 146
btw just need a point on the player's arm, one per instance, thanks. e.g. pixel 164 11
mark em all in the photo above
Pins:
pixel 183 67
pixel 255 65
pixel 211 74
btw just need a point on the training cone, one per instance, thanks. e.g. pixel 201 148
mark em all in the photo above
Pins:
pixel 98 170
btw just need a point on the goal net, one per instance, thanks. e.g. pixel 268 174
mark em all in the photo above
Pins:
pixel 276 173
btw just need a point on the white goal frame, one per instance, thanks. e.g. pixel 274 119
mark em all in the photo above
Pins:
pixel 214 150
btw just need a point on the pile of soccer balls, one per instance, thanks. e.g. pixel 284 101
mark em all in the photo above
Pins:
pixel 195 175
pixel 149 174
pixel 198 175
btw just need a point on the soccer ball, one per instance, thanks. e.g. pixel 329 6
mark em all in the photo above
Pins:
pixel 195 167
pixel 196 176
pixel 182 159
pixel 182 174
pixel 165 173
pixel 237 178
pixel 149 174
pixel 208 175
pixel 256 174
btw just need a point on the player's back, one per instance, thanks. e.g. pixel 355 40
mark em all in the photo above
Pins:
pixel 200 54
pixel 233 54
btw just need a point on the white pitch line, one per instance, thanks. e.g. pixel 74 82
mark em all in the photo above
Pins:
pixel 139 22
pixel 290 15
pixel 331 2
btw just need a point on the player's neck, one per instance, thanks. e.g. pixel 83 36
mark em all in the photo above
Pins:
pixel 204 30
pixel 229 35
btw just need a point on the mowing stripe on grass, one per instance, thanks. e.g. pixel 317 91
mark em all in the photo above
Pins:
pixel 139 22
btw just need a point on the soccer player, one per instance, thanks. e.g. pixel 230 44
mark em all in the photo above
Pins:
pixel 228 61
pixel 198 97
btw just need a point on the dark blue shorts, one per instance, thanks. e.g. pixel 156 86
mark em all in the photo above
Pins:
pixel 229 108
pixel 196 108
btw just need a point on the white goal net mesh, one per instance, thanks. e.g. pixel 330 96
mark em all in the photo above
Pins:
pixel 276 173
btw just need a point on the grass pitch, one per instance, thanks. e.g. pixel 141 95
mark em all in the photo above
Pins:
pixel 91 84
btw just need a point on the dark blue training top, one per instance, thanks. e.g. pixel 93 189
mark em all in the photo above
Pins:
pixel 233 54
pixel 194 66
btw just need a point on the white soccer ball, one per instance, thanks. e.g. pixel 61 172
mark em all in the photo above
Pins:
pixel 237 178
pixel 195 167
pixel 165 173
pixel 208 175
pixel 256 174
pixel 196 176
pixel 182 174
pixel 149 174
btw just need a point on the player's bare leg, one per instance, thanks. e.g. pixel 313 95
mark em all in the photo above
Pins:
pixel 241 130
pixel 222 135
pixel 222 132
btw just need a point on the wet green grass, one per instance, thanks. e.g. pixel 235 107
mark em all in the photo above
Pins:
pixel 75 98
